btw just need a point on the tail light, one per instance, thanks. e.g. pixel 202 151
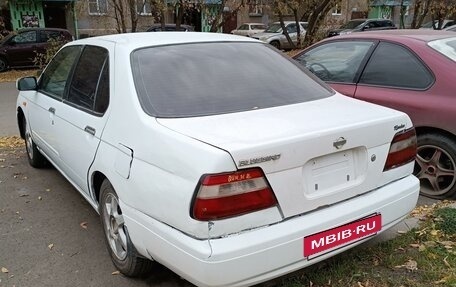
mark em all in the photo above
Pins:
pixel 230 194
pixel 402 149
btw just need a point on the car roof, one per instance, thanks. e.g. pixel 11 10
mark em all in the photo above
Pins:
pixel 134 41
pixel 396 35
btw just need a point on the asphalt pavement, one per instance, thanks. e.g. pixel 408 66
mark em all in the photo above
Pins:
pixel 49 235
pixel 8 95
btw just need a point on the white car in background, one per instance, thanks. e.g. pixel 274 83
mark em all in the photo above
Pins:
pixel 249 29
pixel 225 184
pixel 275 36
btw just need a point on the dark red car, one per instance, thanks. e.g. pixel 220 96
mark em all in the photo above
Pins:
pixel 20 49
pixel 409 70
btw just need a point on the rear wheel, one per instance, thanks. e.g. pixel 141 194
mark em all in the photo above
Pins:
pixel 35 158
pixel 436 165
pixel 123 253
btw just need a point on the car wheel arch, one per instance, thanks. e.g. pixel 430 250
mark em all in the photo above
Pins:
pixel 97 180
pixel 20 122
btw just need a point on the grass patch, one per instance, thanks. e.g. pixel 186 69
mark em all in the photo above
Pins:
pixel 13 75
pixel 422 257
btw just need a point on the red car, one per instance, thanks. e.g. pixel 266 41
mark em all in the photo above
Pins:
pixel 409 70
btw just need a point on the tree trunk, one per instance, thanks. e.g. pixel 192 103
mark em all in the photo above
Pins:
pixel 315 18
pixel 284 30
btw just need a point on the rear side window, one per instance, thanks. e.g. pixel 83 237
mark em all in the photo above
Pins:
pixel 87 83
pixel 215 78
pixel 392 65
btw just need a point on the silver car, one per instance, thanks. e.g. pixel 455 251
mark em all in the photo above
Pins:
pixel 274 34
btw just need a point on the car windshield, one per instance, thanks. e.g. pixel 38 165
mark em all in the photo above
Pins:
pixel 215 78
pixel 352 24
pixel 274 28
pixel 446 47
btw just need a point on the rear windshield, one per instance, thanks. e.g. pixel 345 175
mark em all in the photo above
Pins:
pixel 216 78
pixel 445 46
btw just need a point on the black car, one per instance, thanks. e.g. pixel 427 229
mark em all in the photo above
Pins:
pixel 170 28
pixel 21 48
pixel 360 25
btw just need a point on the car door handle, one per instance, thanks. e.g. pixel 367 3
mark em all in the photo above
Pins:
pixel 51 110
pixel 90 130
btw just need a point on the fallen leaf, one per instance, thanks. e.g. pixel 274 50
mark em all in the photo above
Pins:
pixel 410 265
pixel 115 273
pixel 23 195
pixel 50 246
pixel 40 198
pixel 447 243
pixel 401 232
pixel 434 232
pixel 47 189
pixel 4 270
pixel 415 245
pixel 430 244
pixel 83 224
pixel 422 248
pixel 446 262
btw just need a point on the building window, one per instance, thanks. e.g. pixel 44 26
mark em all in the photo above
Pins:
pixel 337 10
pixel 98 7
pixel 143 7
pixel 255 7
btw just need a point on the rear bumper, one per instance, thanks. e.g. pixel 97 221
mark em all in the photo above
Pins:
pixel 259 255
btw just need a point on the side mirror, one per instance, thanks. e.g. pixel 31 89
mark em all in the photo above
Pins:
pixel 26 84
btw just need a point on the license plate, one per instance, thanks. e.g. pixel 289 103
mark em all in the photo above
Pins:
pixel 341 236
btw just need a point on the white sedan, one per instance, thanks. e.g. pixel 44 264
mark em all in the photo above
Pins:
pixel 214 154
pixel 249 29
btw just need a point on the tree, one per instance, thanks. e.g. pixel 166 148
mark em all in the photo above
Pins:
pixel 439 10
pixel 312 11
pixel 319 10
pixel 220 17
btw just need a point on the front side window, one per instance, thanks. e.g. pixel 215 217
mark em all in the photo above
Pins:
pixel 243 27
pixel 336 61
pixel 216 78
pixel 98 7
pixel 54 78
pixel 291 28
pixel 84 87
pixel 393 65
pixel 25 37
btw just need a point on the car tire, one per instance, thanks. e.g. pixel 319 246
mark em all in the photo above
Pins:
pixel 121 249
pixel 436 165
pixel 275 44
pixel 35 158
pixel 3 64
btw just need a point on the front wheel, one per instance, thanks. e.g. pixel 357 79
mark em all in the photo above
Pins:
pixel 123 253
pixel 35 158
pixel 276 44
pixel 3 65
pixel 436 165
